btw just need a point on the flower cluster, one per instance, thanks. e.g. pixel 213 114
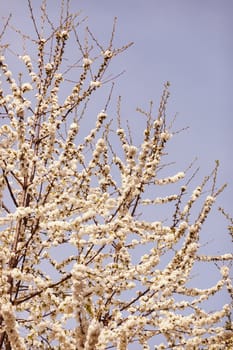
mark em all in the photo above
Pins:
pixel 10 326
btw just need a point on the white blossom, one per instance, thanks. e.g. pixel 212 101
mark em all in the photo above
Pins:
pixel 48 68
pixel 107 54
pixel 87 62
pixel 26 87
pixel 225 271
pixel 95 83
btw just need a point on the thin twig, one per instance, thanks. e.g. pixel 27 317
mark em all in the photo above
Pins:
pixel 33 18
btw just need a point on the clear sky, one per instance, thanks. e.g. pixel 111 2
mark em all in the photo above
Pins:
pixel 189 43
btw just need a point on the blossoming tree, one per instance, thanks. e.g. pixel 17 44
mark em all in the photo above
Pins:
pixel 80 266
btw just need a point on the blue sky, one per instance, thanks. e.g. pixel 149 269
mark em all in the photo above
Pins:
pixel 188 43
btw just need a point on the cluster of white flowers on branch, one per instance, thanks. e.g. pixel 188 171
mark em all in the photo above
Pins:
pixel 80 266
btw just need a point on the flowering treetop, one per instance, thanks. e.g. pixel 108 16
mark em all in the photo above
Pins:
pixel 80 266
